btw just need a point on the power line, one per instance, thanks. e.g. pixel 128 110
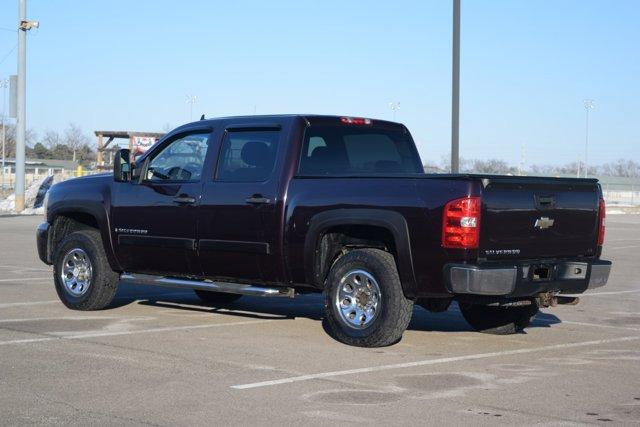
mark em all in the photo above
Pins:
pixel 8 53
pixel 8 29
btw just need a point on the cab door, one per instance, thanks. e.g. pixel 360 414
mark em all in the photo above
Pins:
pixel 238 218
pixel 154 220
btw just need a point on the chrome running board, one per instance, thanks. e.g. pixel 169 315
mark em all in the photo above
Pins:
pixel 206 285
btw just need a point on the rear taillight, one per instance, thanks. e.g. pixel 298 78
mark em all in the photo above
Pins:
pixel 355 121
pixel 602 214
pixel 461 223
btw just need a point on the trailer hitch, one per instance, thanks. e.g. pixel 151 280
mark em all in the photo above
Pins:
pixel 552 299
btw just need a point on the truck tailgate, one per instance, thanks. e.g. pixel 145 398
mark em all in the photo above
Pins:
pixel 524 218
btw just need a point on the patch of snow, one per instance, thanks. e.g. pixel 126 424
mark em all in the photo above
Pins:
pixel 8 205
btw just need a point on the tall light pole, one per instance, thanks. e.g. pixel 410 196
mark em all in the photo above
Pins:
pixel 191 99
pixel 4 83
pixel 23 27
pixel 455 90
pixel 588 106
pixel 395 106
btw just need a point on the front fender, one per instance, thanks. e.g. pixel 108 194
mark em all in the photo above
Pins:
pixel 90 196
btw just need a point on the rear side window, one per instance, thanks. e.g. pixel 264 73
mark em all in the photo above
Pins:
pixel 343 150
pixel 247 156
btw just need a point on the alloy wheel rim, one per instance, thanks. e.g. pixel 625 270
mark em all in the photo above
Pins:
pixel 76 272
pixel 358 299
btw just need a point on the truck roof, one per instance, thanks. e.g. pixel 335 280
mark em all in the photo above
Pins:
pixel 307 117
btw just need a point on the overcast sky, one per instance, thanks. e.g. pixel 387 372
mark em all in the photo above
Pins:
pixel 526 68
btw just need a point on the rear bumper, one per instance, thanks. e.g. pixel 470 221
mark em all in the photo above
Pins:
pixel 42 242
pixel 526 278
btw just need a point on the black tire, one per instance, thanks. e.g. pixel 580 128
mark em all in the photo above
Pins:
pixel 216 298
pixel 394 309
pixel 104 281
pixel 498 320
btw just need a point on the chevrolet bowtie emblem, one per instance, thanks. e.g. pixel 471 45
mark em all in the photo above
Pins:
pixel 543 223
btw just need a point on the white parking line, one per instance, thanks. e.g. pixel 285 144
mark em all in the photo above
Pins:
pixel 623 247
pixel 26 341
pixel 19 267
pixel 431 362
pixel 139 331
pixel 40 319
pixel 20 304
pixel 132 297
pixel 598 325
pixel 595 294
pixel 25 279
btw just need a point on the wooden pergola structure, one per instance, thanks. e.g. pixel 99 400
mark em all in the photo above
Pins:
pixel 106 137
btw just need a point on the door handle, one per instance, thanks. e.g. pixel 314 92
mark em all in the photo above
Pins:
pixel 183 199
pixel 258 199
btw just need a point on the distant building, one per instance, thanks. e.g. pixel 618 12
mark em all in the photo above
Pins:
pixel 42 166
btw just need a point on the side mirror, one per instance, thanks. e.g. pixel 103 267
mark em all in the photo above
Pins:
pixel 122 165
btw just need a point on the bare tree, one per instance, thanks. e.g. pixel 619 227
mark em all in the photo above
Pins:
pixel 50 139
pixel 75 138
pixel 623 168
pixel 492 166
pixel 10 145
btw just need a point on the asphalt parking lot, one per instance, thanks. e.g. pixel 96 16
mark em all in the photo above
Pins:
pixel 161 357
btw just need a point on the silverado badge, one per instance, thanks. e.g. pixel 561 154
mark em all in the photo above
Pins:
pixel 543 222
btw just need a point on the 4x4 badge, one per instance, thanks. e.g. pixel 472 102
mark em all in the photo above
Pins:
pixel 543 222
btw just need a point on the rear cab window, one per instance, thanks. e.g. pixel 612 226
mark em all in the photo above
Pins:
pixel 358 150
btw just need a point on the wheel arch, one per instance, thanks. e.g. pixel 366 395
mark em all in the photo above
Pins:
pixel 364 228
pixel 66 221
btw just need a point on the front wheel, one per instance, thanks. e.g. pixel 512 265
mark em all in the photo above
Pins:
pixel 363 300
pixel 82 275
pixel 497 319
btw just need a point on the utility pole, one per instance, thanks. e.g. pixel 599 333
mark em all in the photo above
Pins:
pixel 588 105
pixel 4 84
pixel 21 125
pixel 455 90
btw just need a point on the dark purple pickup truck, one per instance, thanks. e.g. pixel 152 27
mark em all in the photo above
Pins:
pixel 284 205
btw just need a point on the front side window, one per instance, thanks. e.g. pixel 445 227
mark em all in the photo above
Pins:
pixel 359 151
pixel 247 156
pixel 181 160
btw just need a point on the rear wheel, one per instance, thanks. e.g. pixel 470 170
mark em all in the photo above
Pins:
pixel 364 302
pixel 213 298
pixel 82 275
pixel 499 319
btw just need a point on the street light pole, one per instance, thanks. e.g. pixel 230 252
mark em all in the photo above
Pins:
pixel 4 84
pixel 588 105
pixel 191 99
pixel 23 27
pixel 21 128
pixel 395 106
pixel 455 90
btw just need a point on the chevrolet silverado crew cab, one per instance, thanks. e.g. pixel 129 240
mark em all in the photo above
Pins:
pixel 284 205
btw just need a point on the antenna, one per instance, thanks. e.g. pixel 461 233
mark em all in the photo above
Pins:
pixel 202 117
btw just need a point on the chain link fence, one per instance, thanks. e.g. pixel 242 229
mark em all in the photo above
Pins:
pixel 621 194
pixel 7 179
